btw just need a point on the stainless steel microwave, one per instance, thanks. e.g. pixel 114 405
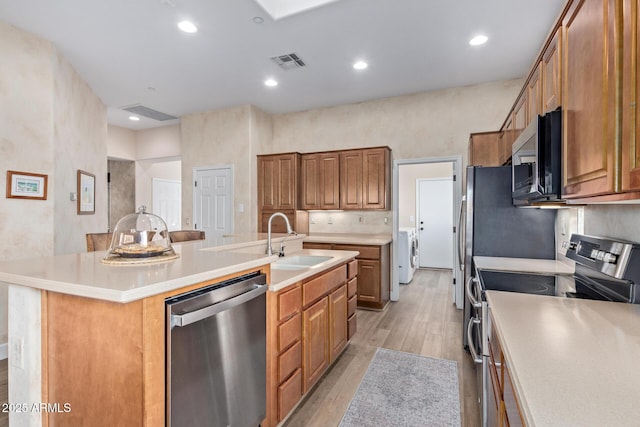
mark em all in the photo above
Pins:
pixel 536 162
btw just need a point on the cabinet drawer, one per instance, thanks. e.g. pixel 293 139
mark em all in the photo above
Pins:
pixel 289 394
pixel 366 252
pixel 352 269
pixel 289 303
pixel 289 332
pixel 289 361
pixel 352 326
pixel 312 245
pixel 322 285
pixel 351 305
pixel 352 287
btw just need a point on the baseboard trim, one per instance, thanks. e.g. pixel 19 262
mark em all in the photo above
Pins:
pixel 4 351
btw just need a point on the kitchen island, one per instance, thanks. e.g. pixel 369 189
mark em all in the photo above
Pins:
pixel 88 339
pixel 571 362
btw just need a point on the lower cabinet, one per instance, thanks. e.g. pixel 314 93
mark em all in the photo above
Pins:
pixel 503 408
pixel 308 326
pixel 316 342
pixel 374 271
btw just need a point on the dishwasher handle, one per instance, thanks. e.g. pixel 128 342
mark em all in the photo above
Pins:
pixel 185 319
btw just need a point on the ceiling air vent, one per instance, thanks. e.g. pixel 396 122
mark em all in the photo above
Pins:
pixel 141 110
pixel 289 61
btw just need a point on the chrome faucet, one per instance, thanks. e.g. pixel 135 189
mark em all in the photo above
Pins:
pixel 289 231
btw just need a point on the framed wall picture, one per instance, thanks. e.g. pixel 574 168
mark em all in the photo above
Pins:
pixel 25 185
pixel 86 193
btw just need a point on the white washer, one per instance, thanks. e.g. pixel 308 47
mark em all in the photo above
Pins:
pixel 407 254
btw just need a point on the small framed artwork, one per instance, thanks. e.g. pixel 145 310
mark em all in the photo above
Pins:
pixel 86 193
pixel 25 185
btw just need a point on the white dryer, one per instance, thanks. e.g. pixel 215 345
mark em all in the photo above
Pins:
pixel 407 254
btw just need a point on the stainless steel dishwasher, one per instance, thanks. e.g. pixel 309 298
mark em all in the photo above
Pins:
pixel 216 355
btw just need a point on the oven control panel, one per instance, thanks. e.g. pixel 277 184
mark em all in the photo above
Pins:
pixel 609 256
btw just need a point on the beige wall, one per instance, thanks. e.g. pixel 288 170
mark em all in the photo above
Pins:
pixel 158 142
pixel 50 123
pixel 121 143
pixel 122 197
pixel 427 124
pixel 80 142
pixel 220 138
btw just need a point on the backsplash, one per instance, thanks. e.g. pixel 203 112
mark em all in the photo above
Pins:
pixel 350 222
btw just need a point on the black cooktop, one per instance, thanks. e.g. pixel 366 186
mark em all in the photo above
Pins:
pixel 537 284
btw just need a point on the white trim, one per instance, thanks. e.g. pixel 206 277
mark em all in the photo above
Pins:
pixel 457 197
pixel 4 351
pixel 196 169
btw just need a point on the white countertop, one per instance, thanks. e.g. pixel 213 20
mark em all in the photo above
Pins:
pixel 84 275
pixel 350 238
pixel 282 278
pixel 524 265
pixel 573 362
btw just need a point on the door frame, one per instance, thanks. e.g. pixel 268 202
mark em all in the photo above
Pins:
pixel 448 178
pixel 195 171
pixel 457 199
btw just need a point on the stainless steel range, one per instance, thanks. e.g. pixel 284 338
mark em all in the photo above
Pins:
pixel 606 269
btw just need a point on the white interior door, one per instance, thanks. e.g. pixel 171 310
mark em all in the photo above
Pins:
pixel 167 202
pixel 213 201
pixel 434 204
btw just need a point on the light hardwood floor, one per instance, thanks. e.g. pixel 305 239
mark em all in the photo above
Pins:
pixel 424 321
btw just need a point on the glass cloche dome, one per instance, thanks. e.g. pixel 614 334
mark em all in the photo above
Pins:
pixel 140 235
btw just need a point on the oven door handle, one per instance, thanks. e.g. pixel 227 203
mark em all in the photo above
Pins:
pixel 474 353
pixel 185 319
pixel 472 298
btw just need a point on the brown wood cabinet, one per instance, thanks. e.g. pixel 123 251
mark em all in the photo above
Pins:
pixel 504 408
pixel 320 181
pixel 520 115
pixel 365 179
pixel 307 329
pixel 630 98
pixel 107 359
pixel 374 272
pixel 508 136
pixel 588 98
pixel 484 149
pixel 278 176
pixel 315 345
pixel 534 94
pixel 550 64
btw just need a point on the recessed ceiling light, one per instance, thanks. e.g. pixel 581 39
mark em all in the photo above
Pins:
pixel 134 118
pixel 360 65
pixel 258 19
pixel 270 83
pixel 478 40
pixel 187 27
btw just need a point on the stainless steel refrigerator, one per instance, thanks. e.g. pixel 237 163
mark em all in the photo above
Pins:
pixel 495 227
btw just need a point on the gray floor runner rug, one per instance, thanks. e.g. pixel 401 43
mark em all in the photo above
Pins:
pixel 402 389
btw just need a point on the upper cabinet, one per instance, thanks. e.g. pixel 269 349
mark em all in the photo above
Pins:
pixel 320 181
pixel 365 179
pixel 588 97
pixel 484 149
pixel 550 74
pixel 630 97
pixel 534 94
pixel 520 115
pixel 278 181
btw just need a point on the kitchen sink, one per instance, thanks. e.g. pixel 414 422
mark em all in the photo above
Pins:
pixel 298 262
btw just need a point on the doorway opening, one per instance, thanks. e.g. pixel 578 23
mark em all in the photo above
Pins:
pixel 426 199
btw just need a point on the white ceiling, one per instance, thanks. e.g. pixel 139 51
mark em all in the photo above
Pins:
pixel 122 48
